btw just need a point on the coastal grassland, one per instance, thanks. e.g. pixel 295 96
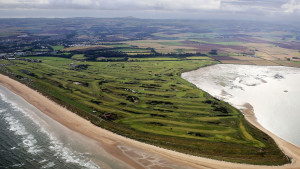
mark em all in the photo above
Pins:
pixel 147 100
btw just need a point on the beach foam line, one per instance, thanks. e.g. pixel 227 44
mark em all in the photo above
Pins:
pixel 31 144
pixel 28 140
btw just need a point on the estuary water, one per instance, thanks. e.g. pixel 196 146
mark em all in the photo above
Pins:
pixel 272 91
pixel 30 139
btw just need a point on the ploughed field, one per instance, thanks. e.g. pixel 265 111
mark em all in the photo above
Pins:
pixel 147 100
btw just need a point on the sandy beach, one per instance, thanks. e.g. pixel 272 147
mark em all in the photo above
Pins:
pixel 134 153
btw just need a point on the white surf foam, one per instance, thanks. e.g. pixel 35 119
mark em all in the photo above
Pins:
pixel 68 155
pixel 49 165
pixel 28 140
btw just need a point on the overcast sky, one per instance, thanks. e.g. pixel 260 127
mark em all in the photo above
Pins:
pixel 194 9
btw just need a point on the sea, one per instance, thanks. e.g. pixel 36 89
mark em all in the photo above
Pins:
pixel 30 139
pixel 272 91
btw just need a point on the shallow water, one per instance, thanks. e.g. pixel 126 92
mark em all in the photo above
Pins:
pixel 273 91
pixel 30 139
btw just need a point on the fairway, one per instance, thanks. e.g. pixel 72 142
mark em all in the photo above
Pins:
pixel 147 100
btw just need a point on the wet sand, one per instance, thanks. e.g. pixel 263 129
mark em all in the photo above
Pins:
pixel 134 153
pixel 273 91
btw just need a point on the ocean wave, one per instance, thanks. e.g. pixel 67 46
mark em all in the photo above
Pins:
pixel 3 97
pixel 17 165
pixel 28 140
pixel 49 165
pixel 3 110
pixel 70 156
pixel 43 161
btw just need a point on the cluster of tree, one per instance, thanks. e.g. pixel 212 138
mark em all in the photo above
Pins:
pixel 94 55
pixel 108 54
pixel 213 52
pixel 179 55
pixel 112 60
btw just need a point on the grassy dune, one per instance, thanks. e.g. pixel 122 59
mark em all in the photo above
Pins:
pixel 148 101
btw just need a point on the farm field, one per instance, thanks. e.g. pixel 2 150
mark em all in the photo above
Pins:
pixel 147 100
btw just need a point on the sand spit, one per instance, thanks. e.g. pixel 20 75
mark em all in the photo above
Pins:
pixel 134 153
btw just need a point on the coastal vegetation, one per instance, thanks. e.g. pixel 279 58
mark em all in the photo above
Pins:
pixel 147 100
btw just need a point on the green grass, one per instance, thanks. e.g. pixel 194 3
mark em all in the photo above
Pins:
pixel 66 53
pixel 57 47
pixel 198 58
pixel 48 58
pixel 155 59
pixel 78 56
pixel 138 53
pixel 148 101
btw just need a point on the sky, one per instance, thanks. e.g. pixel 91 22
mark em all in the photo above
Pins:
pixel 155 9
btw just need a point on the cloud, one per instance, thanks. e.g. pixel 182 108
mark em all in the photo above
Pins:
pixel 113 4
pixel 292 6
pixel 254 9
pixel 252 6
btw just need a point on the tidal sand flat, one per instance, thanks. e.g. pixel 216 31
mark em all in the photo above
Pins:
pixel 271 91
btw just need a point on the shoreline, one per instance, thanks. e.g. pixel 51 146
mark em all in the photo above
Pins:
pixel 112 142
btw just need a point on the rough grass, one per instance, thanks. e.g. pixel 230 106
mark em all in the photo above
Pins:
pixel 150 102
pixel 197 58
pixel 78 56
